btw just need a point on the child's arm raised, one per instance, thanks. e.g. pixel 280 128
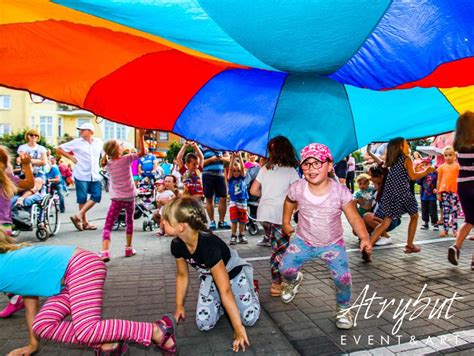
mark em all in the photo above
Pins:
pixel 288 207
pixel 199 154
pixel 376 158
pixel 241 165
pixel 221 278
pixel 231 165
pixel 182 277
pixel 350 211
pixel 179 157
pixel 141 142
pixel 411 171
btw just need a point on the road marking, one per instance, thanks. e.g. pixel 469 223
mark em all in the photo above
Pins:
pixel 386 247
pixel 422 347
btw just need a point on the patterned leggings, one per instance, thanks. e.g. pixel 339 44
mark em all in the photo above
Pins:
pixel 82 299
pixel 336 260
pixel 280 243
pixel 115 208
pixel 450 206
pixel 209 307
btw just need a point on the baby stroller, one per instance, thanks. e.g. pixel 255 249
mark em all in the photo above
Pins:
pixel 144 205
pixel 252 225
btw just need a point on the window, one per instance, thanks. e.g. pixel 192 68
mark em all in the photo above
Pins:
pixel 79 123
pixel 60 127
pixel 46 126
pixel 114 131
pixel 5 102
pixel 163 136
pixel 4 129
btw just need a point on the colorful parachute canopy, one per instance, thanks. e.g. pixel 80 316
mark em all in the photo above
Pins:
pixel 232 74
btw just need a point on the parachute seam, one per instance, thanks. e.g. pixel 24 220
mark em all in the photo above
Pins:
pixel 274 111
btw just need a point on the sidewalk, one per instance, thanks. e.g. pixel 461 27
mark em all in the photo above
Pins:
pixel 143 288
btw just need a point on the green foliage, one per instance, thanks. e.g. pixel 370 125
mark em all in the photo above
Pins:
pixel 174 149
pixel 358 156
pixel 419 142
pixel 65 138
pixel 13 140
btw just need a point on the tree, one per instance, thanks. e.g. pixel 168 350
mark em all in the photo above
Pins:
pixel 174 149
pixel 419 142
pixel 13 140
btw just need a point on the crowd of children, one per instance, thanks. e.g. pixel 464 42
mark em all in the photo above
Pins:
pixel 73 279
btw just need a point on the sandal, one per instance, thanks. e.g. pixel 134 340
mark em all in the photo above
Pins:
pixel 76 222
pixel 412 249
pixel 89 227
pixel 120 349
pixel 167 325
pixel 276 289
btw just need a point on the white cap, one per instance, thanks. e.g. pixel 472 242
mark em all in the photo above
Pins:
pixel 86 126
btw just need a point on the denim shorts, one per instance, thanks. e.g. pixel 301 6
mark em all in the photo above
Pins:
pixel 84 188
pixel 214 185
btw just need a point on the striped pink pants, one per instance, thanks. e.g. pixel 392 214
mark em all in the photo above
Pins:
pixel 82 299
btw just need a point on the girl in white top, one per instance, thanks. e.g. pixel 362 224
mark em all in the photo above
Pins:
pixel 271 185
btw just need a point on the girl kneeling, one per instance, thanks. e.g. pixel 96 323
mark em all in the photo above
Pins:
pixel 73 279
pixel 226 279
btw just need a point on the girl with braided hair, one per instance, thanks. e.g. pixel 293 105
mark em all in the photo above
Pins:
pixel 226 279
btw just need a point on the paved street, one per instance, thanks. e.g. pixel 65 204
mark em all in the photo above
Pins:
pixel 142 288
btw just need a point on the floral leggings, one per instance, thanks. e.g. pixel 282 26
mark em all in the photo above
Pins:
pixel 336 259
pixel 451 208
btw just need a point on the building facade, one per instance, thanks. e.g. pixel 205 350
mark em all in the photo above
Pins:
pixel 20 110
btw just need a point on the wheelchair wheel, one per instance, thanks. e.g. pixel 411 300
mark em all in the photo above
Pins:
pixel 151 225
pixel 42 233
pixel 145 225
pixel 53 220
pixel 252 228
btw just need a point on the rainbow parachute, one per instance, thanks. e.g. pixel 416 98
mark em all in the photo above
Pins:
pixel 232 74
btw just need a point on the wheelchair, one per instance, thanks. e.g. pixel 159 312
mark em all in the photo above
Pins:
pixel 44 216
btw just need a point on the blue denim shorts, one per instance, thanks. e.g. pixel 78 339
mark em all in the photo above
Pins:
pixel 84 188
pixel 394 224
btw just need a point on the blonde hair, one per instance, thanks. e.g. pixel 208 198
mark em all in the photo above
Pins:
pixel 187 210
pixel 32 132
pixel 110 148
pixel 464 135
pixel 8 244
pixel 8 188
pixel 362 177
pixel 447 149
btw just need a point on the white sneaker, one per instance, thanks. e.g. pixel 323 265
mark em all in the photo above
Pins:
pixel 344 319
pixel 383 241
pixel 291 289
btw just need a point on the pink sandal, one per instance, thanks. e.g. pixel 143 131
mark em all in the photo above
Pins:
pixel 412 249
pixel 167 325
pixel 119 350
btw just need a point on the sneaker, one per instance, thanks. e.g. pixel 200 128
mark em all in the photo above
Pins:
pixel 344 319
pixel 289 290
pixel 233 240
pixel 223 225
pixel 383 241
pixel 435 227
pixel 12 308
pixel 212 226
pixel 453 255
pixel 243 240
pixel 264 242
pixel 105 255
pixel 424 227
pixel 130 251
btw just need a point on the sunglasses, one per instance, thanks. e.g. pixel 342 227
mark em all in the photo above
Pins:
pixel 33 135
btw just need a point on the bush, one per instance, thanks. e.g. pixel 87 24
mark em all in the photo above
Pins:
pixel 13 140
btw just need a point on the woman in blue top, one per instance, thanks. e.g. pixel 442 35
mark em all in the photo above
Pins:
pixel 73 279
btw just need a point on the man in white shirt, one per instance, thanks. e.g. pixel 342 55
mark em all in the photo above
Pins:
pixel 85 152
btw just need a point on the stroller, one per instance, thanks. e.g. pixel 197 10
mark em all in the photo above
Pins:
pixel 144 205
pixel 252 225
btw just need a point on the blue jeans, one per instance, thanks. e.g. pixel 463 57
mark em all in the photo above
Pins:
pixel 29 201
pixel 336 259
